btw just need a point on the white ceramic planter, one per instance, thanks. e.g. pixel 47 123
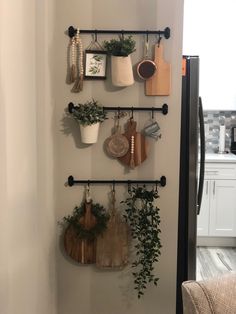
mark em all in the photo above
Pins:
pixel 121 71
pixel 89 133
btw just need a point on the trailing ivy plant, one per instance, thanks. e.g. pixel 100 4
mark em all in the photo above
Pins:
pixel 144 220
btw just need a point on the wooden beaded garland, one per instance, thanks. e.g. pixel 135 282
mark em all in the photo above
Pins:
pixel 75 63
pixel 73 69
pixel 132 165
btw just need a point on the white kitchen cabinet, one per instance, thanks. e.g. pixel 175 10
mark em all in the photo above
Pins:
pixel 223 208
pixel 218 211
pixel 203 217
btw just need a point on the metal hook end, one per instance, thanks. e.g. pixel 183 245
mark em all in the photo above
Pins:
pixel 72 31
pixel 70 181
pixel 96 35
pixel 71 107
pixel 167 32
pixel 165 109
pixel 152 113
pixel 163 181
pixel 118 112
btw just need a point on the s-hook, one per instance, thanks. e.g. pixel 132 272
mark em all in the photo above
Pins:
pixel 152 113
pixel 96 36
pixel 159 40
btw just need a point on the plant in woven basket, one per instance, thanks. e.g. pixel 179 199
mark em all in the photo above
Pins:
pixel 144 220
pixel 121 64
pixel 120 47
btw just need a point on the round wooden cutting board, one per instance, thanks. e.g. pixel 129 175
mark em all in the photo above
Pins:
pixel 81 250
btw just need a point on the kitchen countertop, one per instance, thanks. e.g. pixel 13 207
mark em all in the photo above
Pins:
pixel 220 157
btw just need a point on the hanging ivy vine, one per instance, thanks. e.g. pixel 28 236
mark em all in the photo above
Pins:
pixel 144 220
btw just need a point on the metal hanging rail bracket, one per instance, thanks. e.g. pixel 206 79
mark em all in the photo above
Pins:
pixel 72 32
pixel 71 181
pixel 163 109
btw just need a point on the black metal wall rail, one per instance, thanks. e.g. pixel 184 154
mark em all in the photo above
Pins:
pixel 73 31
pixel 71 181
pixel 163 109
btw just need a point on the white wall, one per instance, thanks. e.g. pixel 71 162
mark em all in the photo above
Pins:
pixel 84 289
pixel 27 231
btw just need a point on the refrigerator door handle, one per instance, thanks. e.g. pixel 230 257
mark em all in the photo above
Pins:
pixel 202 157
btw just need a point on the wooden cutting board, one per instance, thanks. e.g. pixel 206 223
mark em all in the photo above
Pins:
pixel 113 244
pixel 81 250
pixel 160 83
pixel 140 148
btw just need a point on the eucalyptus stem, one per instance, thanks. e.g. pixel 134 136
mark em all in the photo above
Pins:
pixel 144 220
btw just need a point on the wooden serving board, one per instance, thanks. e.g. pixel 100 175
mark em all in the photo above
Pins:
pixel 112 245
pixel 160 83
pixel 140 145
pixel 81 250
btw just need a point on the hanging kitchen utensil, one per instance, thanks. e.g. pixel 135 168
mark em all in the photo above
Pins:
pixel 146 68
pixel 152 128
pixel 160 83
pixel 86 223
pixel 138 146
pixel 117 144
pixel 113 244
pixel 95 60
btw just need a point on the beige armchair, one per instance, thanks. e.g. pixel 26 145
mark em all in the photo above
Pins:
pixel 212 296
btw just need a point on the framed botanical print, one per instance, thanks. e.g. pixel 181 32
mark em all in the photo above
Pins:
pixel 95 64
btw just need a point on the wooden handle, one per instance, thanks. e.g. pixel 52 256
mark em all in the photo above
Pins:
pixel 160 83
pixel 158 53
pixel 89 220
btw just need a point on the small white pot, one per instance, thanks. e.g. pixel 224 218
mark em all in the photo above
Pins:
pixel 121 71
pixel 89 133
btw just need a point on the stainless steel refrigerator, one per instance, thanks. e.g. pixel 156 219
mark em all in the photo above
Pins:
pixel 192 160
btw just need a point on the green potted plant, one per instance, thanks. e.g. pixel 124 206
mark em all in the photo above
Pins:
pixel 89 116
pixel 121 65
pixel 143 216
